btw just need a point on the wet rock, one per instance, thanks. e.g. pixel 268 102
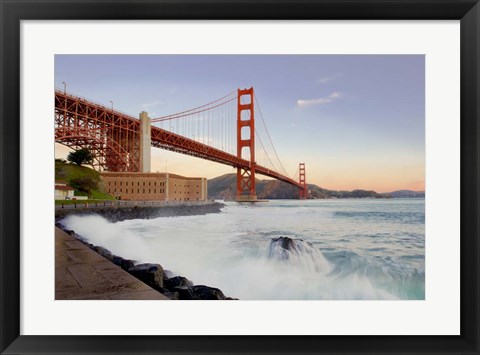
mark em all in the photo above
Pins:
pixel 151 274
pixel 184 293
pixel 284 242
pixel 171 295
pixel 168 274
pixel 177 281
pixel 202 292
pixel 103 252
pixel 125 264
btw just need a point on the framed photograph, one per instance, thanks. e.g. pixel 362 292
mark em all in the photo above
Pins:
pixel 288 177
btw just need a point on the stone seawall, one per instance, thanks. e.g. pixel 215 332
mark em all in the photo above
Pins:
pixel 169 285
pixel 120 213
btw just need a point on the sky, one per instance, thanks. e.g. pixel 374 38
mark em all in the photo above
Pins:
pixel 356 121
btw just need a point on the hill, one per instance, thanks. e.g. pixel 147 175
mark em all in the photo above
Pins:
pixel 407 194
pixel 72 173
pixel 224 187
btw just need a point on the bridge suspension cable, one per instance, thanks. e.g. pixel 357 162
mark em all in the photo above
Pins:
pixel 203 108
pixel 269 137
pixel 214 124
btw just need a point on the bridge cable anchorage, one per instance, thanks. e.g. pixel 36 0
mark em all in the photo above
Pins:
pixel 269 137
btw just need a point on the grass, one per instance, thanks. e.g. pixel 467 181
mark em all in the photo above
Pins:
pixel 67 172
pixel 99 195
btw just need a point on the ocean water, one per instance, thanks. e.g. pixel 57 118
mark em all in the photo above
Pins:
pixel 346 249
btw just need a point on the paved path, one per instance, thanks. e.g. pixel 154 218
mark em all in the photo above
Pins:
pixel 83 274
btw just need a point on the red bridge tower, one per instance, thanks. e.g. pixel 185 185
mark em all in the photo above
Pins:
pixel 246 140
pixel 303 182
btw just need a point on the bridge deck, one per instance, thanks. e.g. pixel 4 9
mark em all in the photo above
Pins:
pixel 95 116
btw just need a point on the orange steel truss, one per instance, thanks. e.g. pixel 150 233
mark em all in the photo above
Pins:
pixel 246 119
pixel 114 139
pixel 303 181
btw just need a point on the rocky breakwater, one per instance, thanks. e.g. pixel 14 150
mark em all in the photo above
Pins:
pixel 166 282
pixel 121 213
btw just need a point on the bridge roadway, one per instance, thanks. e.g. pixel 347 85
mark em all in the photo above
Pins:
pixel 69 105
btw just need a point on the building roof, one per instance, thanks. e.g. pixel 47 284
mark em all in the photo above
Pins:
pixel 63 187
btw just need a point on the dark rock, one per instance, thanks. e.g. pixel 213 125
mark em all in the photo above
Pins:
pixel 230 299
pixel 202 292
pixel 172 295
pixel 184 293
pixel 285 242
pixel 151 274
pixel 168 274
pixel 125 264
pixel 177 281
pixel 103 252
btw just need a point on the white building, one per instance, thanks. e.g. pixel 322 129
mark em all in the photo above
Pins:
pixel 63 191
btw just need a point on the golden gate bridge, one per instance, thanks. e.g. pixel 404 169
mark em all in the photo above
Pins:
pixel 222 131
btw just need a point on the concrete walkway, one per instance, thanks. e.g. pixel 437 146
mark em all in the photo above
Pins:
pixel 83 274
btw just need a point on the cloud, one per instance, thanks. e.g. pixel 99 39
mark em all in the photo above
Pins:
pixel 327 79
pixel 320 101
pixel 153 103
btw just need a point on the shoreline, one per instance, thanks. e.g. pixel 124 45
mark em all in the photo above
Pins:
pixel 174 287
pixel 121 213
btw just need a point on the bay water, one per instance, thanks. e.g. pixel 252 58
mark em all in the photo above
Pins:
pixel 344 249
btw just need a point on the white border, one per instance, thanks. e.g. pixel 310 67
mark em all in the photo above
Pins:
pixel 439 314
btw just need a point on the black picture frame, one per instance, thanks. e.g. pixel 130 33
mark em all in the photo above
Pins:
pixel 13 12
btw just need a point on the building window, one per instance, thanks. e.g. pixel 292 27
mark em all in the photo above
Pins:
pixel 115 190
pixel 108 190
pixel 148 190
pixel 143 190
pixel 120 183
pixel 144 183
pixel 138 191
pixel 126 184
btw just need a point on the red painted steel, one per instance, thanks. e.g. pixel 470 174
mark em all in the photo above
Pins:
pixel 246 175
pixel 114 138
pixel 303 181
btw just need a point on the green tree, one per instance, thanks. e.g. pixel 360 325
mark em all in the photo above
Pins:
pixel 84 184
pixel 81 156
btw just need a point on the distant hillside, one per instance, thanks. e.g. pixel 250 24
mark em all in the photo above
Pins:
pixel 407 194
pixel 224 187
